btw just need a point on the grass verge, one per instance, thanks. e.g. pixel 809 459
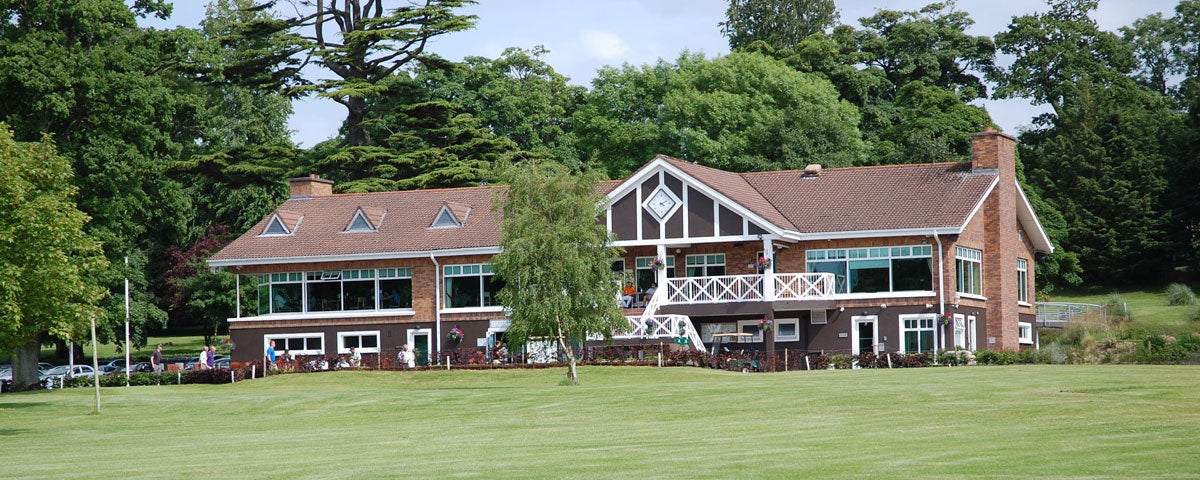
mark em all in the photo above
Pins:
pixel 1108 421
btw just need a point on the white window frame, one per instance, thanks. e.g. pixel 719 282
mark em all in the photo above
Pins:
pixel 960 331
pixel 1025 333
pixel 364 333
pixel 704 263
pixel 925 322
pixel 794 322
pixel 1022 281
pixel 485 270
pixel 758 337
pixel 848 256
pixel 280 336
pixel 969 281
pixel 707 330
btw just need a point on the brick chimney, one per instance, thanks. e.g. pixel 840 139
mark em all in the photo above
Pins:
pixel 311 186
pixel 994 153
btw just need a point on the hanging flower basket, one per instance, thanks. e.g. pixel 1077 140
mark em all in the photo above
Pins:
pixel 764 263
pixel 946 319
pixel 455 334
pixel 765 324
pixel 658 263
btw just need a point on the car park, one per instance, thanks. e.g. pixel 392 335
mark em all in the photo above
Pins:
pixel 141 367
pixel 57 376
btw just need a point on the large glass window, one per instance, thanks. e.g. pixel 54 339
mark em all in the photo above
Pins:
pixel 1022 280
pixel 395 288
pixel 710 265
pixel 324 291
pixel 917 334
pixel 646 275
pixel 280 293
pixel 468 286
pixel 878 269
pixel 970 270
pixel 335 290
pixel 358 287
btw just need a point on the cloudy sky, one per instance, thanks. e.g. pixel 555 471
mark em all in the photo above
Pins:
pixel 584 35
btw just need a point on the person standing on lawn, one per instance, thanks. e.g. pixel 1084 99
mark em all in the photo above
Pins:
pixel 156 359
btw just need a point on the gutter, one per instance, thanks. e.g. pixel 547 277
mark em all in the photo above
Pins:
pixel 941 282
pixel 437 308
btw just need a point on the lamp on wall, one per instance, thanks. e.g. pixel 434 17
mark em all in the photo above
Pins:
pixel 883 306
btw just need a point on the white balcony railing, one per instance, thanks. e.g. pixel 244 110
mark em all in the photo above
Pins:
pixel 748 288
pixel 661 326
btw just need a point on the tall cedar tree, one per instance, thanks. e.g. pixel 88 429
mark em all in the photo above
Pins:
pixel 372 42
pixel 555 259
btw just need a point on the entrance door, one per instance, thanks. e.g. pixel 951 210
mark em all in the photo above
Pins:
pixel 864 334
pixel 419 340
pixel 971 334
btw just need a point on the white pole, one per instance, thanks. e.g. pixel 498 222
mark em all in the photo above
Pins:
pixel 127 365
pixel 807 366
pixel 253 372
pixel 231 379
pixel 447 362
pixel 95 365
pixel 785 360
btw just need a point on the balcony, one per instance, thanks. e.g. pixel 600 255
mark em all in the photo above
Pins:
pixel 749 288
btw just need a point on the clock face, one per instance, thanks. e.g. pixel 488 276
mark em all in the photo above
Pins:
pixel 661 203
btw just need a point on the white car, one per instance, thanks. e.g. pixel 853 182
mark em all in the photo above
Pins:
pixel 58 375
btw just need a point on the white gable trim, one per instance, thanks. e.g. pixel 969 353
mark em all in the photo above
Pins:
pixel 659 165
pixel 979 205
pixel 1028 218
pixel 276 220
pixel 446 215
pixel 360 216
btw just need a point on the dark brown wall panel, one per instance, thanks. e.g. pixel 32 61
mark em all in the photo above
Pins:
pixel 700 221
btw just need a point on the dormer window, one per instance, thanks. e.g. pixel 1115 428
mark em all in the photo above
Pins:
pixel 366 219
pixel 282 223
pixel 451 215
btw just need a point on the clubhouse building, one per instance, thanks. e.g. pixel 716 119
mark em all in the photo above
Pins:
pixel 899 258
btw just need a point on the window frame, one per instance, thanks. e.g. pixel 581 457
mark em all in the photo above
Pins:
pixel 707 261
pixel 643 264
pixel 842 259
pixel 794 322
pixel 1022 281
pixel 1025 333
pixel 267 337
pixel 341 336
pixel 925 322
pixel 483 274
pixel 758 333
pixel 968 264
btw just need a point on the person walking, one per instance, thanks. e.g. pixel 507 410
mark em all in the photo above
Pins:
pixel 156 359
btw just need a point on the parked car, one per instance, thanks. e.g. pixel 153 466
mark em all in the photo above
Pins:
pixel 57 375
pixel 192 362
pixel 107 370
pixel 222 363
pixel 141 367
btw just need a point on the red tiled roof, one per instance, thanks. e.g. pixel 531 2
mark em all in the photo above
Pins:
pixel 891 197
pixel 894 197
pixel 406 229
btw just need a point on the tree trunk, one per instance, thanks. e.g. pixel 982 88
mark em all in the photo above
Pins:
pixel 356 113
pixel 25 361
pixel 572 373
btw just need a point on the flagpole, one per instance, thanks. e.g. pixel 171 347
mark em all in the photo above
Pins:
pixel 128 366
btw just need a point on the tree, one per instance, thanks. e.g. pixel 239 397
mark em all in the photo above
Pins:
pixel 516 95
pixel 555 258
pixel 371 44
pixel 740 112
pixel 47 262
pixel 198 296
pixel 1058 51
pixel 109 94
pixel 1103 166
pixel 781 24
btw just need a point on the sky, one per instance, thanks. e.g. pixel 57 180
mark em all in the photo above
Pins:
pixel 584 35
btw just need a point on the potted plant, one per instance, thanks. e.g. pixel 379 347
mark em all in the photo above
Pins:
pixel 658 263
pixel 946 319
pixel 455 334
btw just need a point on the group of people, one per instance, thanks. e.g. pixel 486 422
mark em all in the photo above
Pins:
pixel 207 358
pixel 628 294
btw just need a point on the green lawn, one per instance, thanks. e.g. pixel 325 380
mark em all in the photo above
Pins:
pixel 1108 421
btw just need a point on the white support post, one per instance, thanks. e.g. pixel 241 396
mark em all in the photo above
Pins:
pixel 768 275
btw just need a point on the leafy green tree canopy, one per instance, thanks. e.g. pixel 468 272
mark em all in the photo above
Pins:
pixel 740 112
pixel 781 24
pixel 47 262
pixel 555 258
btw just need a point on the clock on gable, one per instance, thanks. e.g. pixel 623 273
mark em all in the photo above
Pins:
pixel 661 203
